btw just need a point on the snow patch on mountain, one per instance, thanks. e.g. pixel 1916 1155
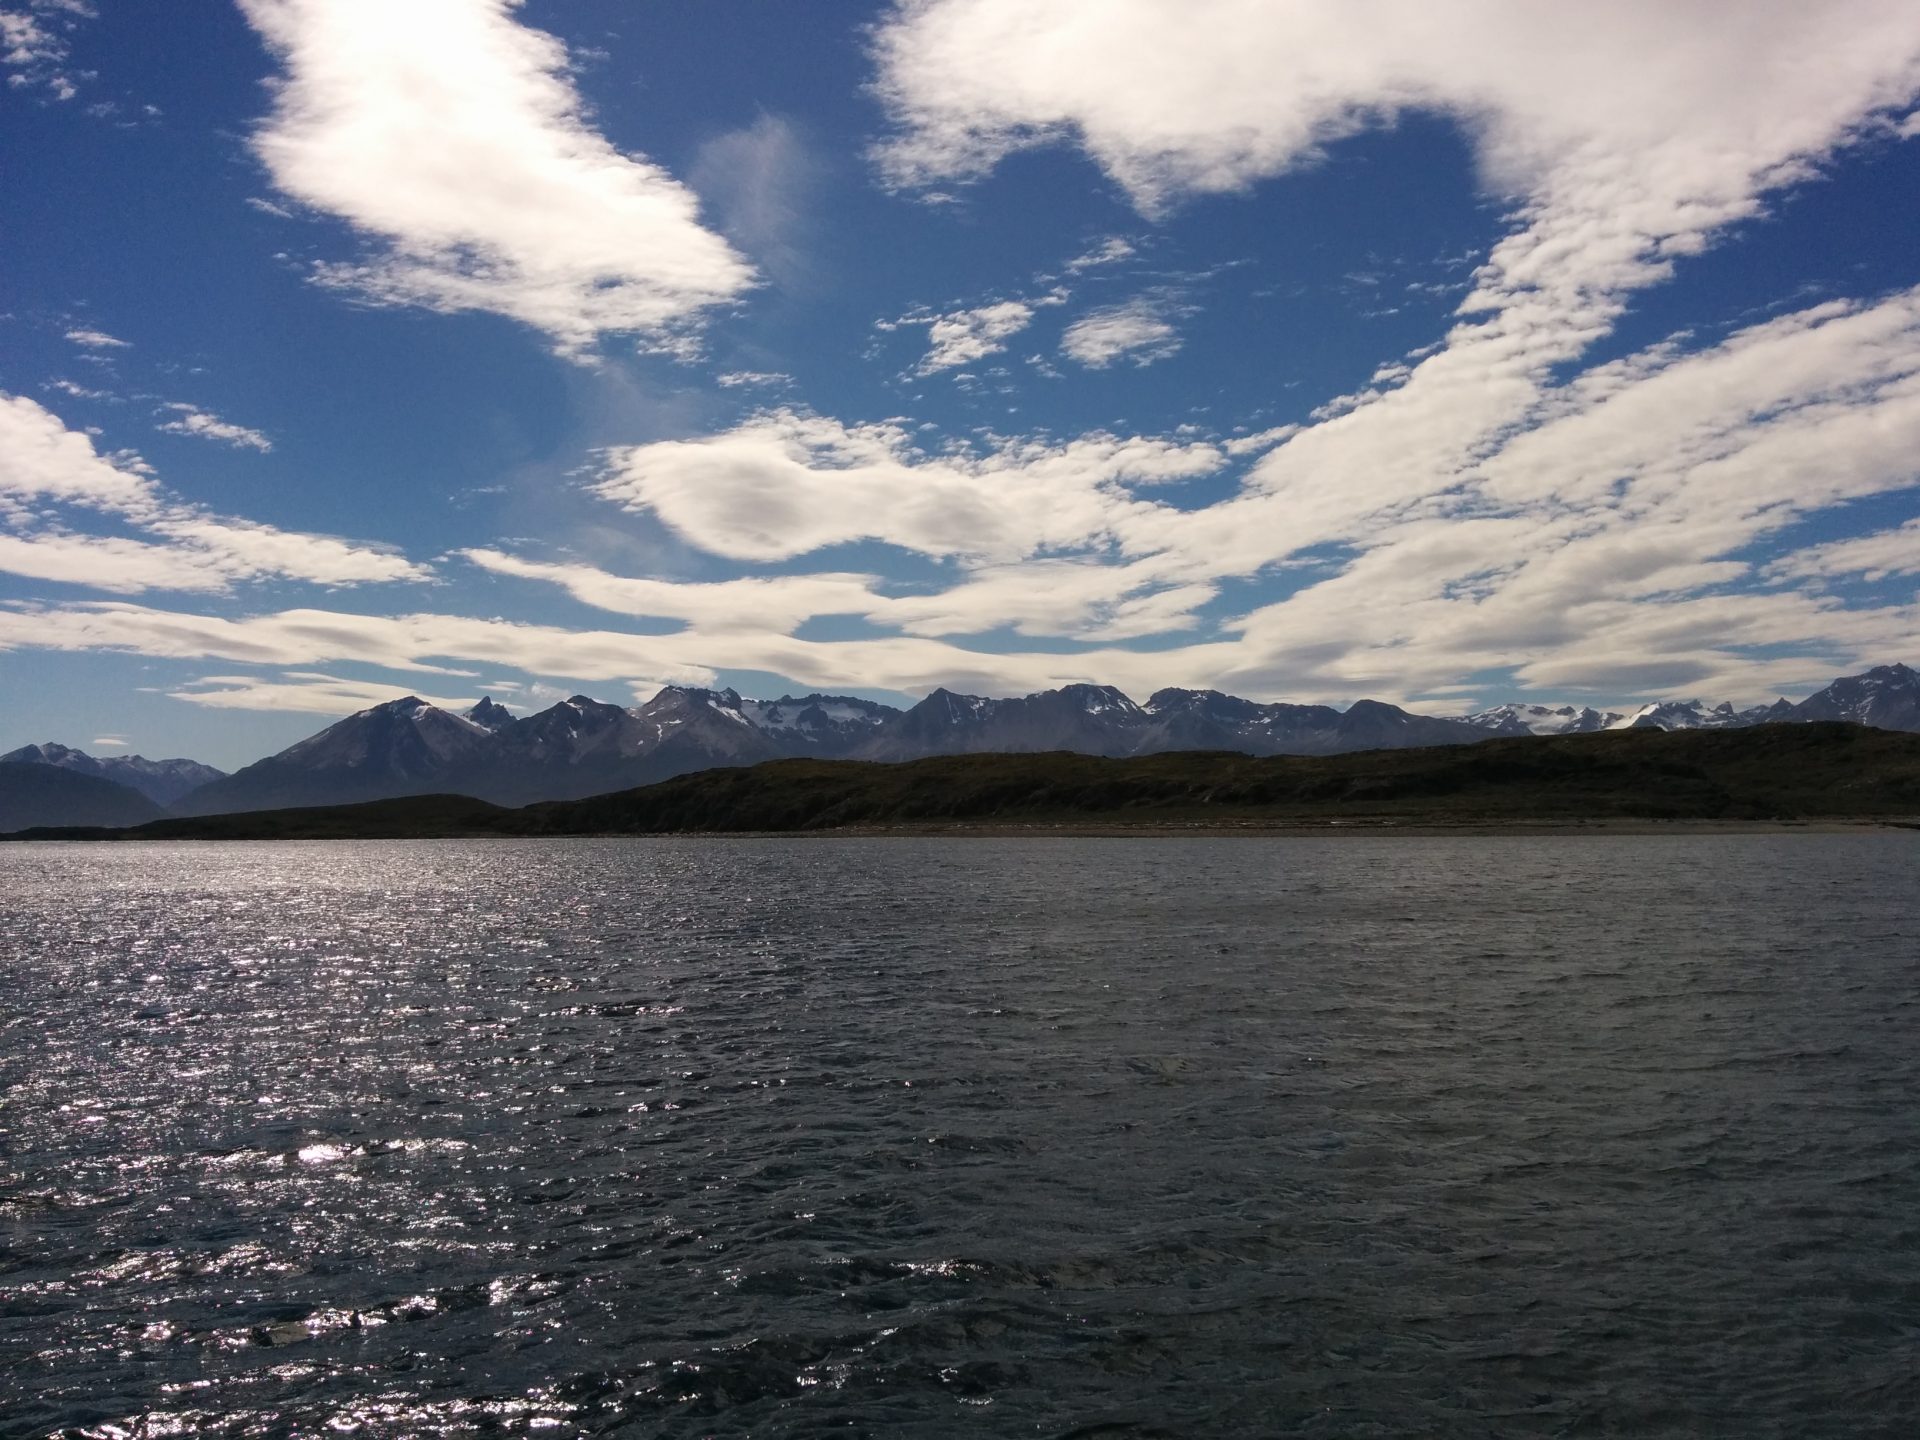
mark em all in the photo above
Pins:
pixel 1522 719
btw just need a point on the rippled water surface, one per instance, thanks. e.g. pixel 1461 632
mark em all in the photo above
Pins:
pixel 962 1137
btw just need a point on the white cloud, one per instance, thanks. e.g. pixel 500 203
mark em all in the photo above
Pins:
pixel 40 459
pixel 79 392
pixel 1475 511
pixel 742 379
pixel 452 137
pixel 97 340
pixel 245 550
pixel 1872 557
pixel 1624 136
pixel 962 336
pixel 1604 541
pixel 1141 330
pixel 202 554
pixel 23 41
pixel 779 602
pixel 1110 251
pixel 1639 98
pixel 786 483
pixel 116 564
pixel 1608 539
pixel 302 692
pixel 33 45
pixel 423 642
pixel 42 462
pixel 1087 600
pixel 192 420
pixel 108 742
pixel 1258 440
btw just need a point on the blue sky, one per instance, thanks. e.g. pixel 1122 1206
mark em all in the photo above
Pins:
pixel 1445 355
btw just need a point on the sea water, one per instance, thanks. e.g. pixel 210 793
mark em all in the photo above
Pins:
pixel 1075 1137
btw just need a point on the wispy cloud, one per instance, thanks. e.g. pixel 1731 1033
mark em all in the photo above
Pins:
pixel 1087 601
pixel 1111 251
pixel 451 138
pixel 1142 331
pixel 97 340
pixel 774 602
pixel 1873 557
pixel 756 181
pixel 420 643
pixel 301 692
pixel 75 391
pixel 188 419
pixel 43 463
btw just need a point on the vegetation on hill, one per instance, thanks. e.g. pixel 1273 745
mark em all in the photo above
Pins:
pixel 1773 771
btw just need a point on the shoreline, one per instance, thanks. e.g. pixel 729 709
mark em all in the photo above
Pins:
pixel 1343 828
pixel 1323 829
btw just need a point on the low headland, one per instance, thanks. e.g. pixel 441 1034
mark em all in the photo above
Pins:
pixel 1819 775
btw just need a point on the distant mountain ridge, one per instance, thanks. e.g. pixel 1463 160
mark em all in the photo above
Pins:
pixel 161 781
pixel 1887 697
pixel 582 747
pixel 34 793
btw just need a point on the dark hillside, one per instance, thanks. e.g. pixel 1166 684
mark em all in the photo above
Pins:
pixel 1762 773
pixel 32 794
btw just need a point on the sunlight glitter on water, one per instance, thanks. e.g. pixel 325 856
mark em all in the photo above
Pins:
pixel 1180 1137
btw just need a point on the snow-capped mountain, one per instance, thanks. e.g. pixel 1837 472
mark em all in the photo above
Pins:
pixel 1886 697
pixel 823 721
pixel 404 747
pixel 583 746
pixel 1090 719
pixel 161 781
pixel 1209 720
pixel 1691 715
pixel 1522 719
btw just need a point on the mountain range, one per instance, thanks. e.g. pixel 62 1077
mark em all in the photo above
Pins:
pixel 1822 773
pixel 161 781
pixel 33 794
pixel 583 747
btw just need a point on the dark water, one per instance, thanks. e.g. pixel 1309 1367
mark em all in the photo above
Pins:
pixel 1586 1136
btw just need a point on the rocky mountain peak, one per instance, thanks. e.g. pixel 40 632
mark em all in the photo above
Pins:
pixel 489 714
